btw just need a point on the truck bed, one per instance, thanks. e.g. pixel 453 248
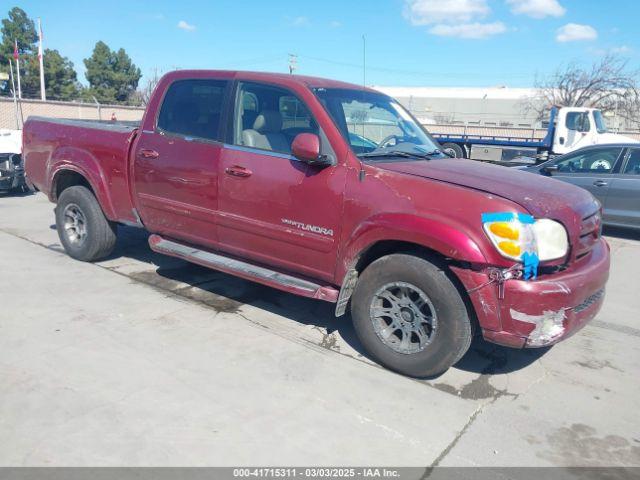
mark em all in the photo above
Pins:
pixel 505 136
pixel 98 150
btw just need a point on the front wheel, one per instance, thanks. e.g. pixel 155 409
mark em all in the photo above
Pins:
pixel 84 231
pixel 409 316
pixel 453 150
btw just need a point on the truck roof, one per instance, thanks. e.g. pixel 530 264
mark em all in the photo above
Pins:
pixel 279 78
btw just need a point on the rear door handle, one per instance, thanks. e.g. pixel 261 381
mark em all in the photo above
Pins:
pixel 147 153
pixel 238 171
pixel 600 183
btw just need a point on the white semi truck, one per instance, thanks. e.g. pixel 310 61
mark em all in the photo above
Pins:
pixel 569 128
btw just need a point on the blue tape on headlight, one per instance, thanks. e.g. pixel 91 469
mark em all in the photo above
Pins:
pixel 507 217
pixel 530 262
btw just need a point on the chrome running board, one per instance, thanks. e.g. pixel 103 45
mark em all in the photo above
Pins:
pixel 248 271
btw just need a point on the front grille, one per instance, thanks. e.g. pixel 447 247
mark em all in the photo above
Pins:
pixel 589 234
pixel 589 301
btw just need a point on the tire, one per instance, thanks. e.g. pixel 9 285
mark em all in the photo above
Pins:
pixel 84 231
pixel 449 335
pixel 453 149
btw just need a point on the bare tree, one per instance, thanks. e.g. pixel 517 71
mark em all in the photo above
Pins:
pixel 608 85
pixel 143 95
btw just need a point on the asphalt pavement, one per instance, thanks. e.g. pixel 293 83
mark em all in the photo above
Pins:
pixel 146 360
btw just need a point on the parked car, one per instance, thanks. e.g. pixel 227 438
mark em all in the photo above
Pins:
pixel 11 166
pixel 610 172
pixel 256 175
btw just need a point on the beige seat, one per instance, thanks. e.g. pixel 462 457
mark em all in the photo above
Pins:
pixel 267 133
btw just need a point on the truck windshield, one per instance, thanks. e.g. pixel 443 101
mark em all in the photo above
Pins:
pixel 601 127
pixel 376 126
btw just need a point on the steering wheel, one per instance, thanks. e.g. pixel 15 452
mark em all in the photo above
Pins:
pixel 600 164
pixel 387 140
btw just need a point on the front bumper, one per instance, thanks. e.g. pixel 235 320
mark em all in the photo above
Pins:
pixel 10 180
pixel 540 312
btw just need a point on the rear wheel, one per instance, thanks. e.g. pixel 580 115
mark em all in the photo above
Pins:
pixel 410 316
pixel 453 149
pixel 84 231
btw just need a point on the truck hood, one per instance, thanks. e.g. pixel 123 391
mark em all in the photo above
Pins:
pixel 541 196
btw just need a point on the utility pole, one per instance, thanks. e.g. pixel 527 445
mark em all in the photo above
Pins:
pixel 293 63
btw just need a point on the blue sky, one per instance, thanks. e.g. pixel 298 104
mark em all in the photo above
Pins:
pixel 409 42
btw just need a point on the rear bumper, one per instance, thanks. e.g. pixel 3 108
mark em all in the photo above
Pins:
pixel 544 311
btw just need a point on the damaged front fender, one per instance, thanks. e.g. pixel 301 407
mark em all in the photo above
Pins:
pixel 535 313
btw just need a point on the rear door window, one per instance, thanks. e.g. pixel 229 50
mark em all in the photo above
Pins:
pixel 633 163
pixel 193 108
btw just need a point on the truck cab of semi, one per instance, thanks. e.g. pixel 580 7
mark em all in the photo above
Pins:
pixel 567 129
pixel 578 127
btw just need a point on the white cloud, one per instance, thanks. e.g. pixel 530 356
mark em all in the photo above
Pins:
pixel 186 26
pixel 429 12
pixel 300 22
pixel 572 32
pixel 622 50
pixel 468 30
pixel 537 8
pixel 335 24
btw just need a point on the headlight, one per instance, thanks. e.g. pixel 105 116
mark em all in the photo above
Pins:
pixel 551 238
pixel 516 235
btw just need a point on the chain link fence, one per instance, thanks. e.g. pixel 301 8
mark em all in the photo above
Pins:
pixel 56 109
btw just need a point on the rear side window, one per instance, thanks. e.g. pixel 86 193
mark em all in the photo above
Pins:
pixel 193 108
pixel 633 163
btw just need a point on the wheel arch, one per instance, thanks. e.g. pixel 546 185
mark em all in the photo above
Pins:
pixel 393 233
pixel 384 247
pixel 71 167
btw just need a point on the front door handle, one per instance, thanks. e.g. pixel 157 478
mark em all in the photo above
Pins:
pixel 238 171
pixel 600 183
pixel 147 153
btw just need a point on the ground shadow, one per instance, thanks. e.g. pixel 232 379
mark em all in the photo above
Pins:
pixel 18 193
pixel 227 293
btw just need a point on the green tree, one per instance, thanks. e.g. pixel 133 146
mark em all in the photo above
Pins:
pixel 112 76
pixel 16 27
pixel 60 78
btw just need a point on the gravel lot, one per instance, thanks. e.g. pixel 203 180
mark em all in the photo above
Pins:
pixel 147 360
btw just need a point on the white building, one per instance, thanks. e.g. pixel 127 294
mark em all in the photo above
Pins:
pixel 493 106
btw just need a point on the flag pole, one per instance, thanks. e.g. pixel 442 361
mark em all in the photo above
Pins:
pixel 43 94
pixel 16 56
pixel 15 100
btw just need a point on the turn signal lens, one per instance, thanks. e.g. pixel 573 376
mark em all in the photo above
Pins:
pixel 505 230
pixel 510 248
pixel 510 233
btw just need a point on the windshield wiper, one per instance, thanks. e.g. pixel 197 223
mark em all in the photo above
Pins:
pixel 399 153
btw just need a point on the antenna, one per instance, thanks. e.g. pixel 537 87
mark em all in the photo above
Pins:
pixel 293 63
pixel 364 61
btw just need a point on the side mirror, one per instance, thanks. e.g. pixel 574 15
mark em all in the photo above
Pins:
pixel 306 148
pixel 550 168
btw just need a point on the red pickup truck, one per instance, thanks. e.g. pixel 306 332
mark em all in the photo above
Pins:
pixel 335 192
